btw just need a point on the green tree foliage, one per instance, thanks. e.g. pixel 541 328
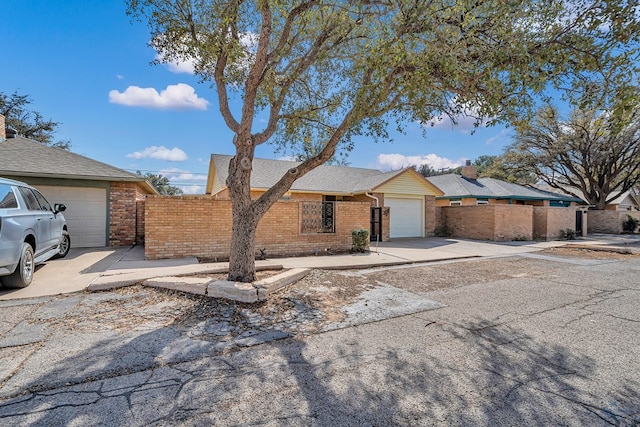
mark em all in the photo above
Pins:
pixel 325 71
pixel 593 154
pixel 162 184
pixel 27 123
pixel 500 167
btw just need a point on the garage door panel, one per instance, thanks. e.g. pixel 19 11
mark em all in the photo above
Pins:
pixel 406 217
pixel 86 213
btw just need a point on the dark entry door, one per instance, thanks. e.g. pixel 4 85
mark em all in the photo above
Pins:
pixel 376 224
pixel 579 223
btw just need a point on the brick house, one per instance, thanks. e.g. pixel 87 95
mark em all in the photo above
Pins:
pixel 487 208
pixel 405 196
pixel 105 205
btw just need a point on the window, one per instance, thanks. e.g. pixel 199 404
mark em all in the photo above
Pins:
pixel 30 199
pixel 7 198
pixel 318 217
pixel 44 205
pixel 455 203
pixel 482 201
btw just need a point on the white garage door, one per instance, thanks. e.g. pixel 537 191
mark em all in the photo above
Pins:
pixel 86 213
pixel 406 217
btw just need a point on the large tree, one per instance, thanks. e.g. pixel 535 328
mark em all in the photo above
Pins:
pixel 28 123
pixel 594 154
pixel 324 71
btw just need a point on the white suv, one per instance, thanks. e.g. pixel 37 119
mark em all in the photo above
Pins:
pixel 31 232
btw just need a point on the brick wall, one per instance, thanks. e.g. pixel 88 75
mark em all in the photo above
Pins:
pixel 548 221
pixel 429 215
pixel 177 227
pixel 126 200
pixel 488 222
pixel 608 221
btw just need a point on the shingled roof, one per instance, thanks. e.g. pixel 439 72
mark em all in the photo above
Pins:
pixel 24 157
pixel 326 179
pixel 457 186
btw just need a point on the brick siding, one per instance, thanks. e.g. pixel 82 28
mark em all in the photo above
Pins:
pixel 548 221
pixel 488 222
pixel 126 218
pixel 183 226
pixel 608 221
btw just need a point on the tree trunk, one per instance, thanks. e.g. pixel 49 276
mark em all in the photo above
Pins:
pixel 242 257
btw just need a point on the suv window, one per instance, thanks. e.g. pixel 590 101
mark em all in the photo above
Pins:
pixel 29 198
pixel 44 205
pixel 7 198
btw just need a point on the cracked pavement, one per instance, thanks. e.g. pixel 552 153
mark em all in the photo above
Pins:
pixel 534 339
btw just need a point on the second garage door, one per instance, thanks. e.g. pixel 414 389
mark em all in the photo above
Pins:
pixel 406 217
pixel 86 213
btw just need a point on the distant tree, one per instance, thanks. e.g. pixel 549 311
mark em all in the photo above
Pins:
pixel 428 170
pixel 501 167
pixel 27 123
pixel 593 155
pixel 162 184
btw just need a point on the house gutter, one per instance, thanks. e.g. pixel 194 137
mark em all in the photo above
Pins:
pixel 371 196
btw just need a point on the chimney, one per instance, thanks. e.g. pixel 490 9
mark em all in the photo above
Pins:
pixel 468 171
pixel 3 130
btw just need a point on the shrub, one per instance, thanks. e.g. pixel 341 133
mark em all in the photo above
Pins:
pixel 360 238
pixel 442 231
pixel 568 234
pixel 630 224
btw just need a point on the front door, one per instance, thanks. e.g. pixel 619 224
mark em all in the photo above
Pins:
pixel 376 224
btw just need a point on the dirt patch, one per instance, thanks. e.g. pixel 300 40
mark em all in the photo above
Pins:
pixel 591 253
pixel 463 273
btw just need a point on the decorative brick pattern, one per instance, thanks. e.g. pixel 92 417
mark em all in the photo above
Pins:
pixel 126 221
pixel 177 227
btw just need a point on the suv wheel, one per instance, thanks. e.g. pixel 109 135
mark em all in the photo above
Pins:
pixel 23 275
pixel 65 245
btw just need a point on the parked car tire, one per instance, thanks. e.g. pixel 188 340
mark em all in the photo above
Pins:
pixel 23 275
pixel 65 245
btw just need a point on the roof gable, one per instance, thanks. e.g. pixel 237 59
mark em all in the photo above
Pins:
pixel 24 157
pixel 326 179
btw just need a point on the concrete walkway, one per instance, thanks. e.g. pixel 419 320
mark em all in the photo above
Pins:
pixel 105 268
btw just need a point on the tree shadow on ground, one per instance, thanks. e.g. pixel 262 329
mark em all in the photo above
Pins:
pixel 491 376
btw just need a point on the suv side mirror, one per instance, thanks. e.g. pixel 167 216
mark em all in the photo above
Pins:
pixel 59 207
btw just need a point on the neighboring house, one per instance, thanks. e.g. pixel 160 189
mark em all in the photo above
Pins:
pixel 486 208
pixel 629 201
pixel 105 205
pixel 467 190
pixel 408 195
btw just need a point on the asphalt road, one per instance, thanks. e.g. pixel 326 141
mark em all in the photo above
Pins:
pixel 533 339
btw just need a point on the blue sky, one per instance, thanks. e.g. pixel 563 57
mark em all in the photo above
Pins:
pixel 86 64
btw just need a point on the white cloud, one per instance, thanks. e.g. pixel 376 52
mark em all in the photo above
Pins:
pixel 187 181
pixel 192 189
pixel 120 77
pixel 178 67
pixel 160 153
pixel 398 161
pixel 501 138
pixel 177 97
pixel 174 174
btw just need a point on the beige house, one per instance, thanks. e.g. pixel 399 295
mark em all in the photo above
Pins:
pixel 404 196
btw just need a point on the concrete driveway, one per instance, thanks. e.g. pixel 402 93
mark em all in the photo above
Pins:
pixel 70 274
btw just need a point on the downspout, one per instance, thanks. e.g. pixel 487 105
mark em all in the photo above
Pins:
pixel 371 196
